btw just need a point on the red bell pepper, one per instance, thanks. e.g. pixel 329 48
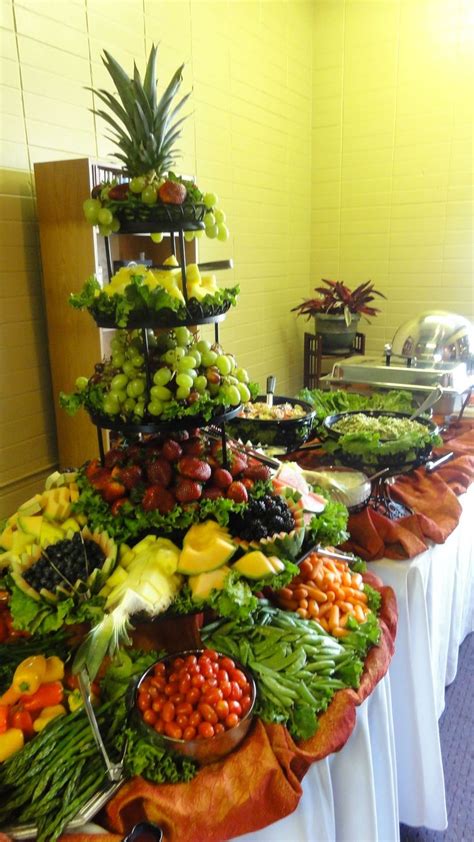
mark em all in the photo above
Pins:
pixel 3 718
pixel 46 696
pixel 23 720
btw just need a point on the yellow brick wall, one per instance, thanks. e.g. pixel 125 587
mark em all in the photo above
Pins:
pixel 248 139
pixel 393 97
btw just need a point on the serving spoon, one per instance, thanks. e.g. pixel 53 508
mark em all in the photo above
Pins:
pixel 428 402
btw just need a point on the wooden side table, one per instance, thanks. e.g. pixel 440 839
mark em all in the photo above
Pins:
pixel 313 357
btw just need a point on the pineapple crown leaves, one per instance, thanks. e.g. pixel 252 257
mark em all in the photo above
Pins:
pixel 144 128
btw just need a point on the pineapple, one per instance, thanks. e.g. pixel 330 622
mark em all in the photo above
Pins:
pixel 144 128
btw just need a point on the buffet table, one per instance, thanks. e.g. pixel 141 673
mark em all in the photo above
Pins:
pixel 435 594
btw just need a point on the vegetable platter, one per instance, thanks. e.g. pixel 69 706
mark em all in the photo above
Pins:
pixel 53 594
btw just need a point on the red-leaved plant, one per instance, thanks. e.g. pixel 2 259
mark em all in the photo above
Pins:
pixel 338 300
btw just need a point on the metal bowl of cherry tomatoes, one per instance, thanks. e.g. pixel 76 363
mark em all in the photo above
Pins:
pixel 198 703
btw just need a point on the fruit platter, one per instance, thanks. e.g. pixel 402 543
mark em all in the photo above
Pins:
pixel 163 608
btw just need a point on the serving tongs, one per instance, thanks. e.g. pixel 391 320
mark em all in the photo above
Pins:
pixel 271 383
pixel 114 770
pixel 428 402
pixel 339 555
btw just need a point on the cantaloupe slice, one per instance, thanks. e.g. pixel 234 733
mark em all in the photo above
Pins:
pixel 202 585
pixel 256 565
pixel 30 524
pixel 194 560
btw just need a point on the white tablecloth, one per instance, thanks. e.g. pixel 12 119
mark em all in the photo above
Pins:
pixel 435 593
pixel 359 781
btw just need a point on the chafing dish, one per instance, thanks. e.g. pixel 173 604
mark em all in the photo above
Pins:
pixel 434 349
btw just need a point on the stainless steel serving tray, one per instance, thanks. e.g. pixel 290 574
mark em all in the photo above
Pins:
pixel 88 811
pixel 419 379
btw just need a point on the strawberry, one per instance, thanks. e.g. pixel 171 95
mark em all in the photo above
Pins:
pixel 171 450
pixel 212 492
pixel 112 491
pixel 93 467
pixel 236 461
pixel 117 505
pixel 222 478
pixel 113 457
pixel 190 466
pixel 119 192
pixel 101 478
pixel 237 492
pixel 188 490
pixel 134 453
pixel 194 447
pixel 172 192
pixel 255 470
pixel 158 498
pixel 131 476
pixel 159 472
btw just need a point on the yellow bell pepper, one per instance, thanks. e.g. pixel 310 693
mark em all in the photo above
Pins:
pixel 54 669
pixel 74 700
pixel 47 715
pixel 11 741
pixel 29 675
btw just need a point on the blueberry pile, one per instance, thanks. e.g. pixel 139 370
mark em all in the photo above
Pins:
pixel 68 557
pixel 262 518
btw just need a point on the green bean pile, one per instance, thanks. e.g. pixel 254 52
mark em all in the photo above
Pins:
pixel 297 666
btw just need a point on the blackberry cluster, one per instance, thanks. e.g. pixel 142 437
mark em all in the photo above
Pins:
pixel 262 518
pixel 69 557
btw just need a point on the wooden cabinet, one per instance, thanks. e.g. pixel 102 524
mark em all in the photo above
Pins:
pixel 71 251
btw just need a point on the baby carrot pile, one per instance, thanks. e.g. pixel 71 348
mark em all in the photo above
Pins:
pixel 327 591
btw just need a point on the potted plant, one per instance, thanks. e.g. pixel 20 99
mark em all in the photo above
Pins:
pixel 337 311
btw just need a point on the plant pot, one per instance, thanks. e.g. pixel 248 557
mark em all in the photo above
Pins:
pixel 336 336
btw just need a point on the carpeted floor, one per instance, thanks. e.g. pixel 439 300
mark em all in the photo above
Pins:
pixel 457 746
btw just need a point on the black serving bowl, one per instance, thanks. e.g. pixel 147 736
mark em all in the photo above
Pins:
pixel 396 462
pixel 289 434
pixel 203 751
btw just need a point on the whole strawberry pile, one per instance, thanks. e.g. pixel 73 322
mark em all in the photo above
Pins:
pixel 167 475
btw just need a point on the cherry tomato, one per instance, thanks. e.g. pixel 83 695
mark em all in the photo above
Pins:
pixel 232 720
pixel 158 705
pixel 222 675
pixel 168 712
pixel 245 703
pixel 150 717
pixel 206 730
pixel 211 654
pixel 208 672
pixel 208 713
pixel 239 677
pixel 235 707
pixel 189 733
pixel 177 698
pixel 222 709
pixel 215 667
pixel 144 701
pixel 204 662
pixel 197 680
pixel 145 685
pixel 194 669
pixel 158 681
pixel 182 721
pixel 193 695
pixel 226 688
pixel 173 730
pixel 236 692
pixel 159 669
pixel 191 660
pixel 209 685
pixel 184 709
pixel 159 726
pixel 195 719
pixel 227 664
pixel 219 728
pixel 213 696
pixel 178 663
pixel 184 684
pixel 154 692
pixel 173 678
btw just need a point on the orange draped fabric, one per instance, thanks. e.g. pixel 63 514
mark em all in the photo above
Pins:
pixel 259 783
